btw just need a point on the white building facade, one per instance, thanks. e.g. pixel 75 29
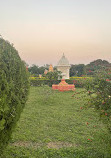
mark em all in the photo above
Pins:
pixel 64 66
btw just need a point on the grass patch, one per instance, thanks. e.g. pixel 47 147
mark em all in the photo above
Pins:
pixel 53 125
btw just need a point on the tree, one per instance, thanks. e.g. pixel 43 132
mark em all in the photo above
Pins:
pixel 34 70
pixel 41 70
pixel 14 87
pixel 97 65
pixel 53 75
pixel 77 70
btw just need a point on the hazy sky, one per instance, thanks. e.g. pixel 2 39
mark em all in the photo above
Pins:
pixel 41 30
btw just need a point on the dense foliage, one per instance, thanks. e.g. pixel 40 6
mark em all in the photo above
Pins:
pixel 36 70
pixel 14 87
pixel 77 81
pixel 75 70
pixel 97 65
pixel 100 95
pixel 53 75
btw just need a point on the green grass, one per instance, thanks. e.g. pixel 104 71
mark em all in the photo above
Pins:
pixel 53 125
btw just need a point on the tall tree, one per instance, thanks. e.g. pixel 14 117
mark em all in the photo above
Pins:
pixel 77 70
pixel 34 69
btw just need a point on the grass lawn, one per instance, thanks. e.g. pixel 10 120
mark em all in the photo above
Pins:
pixel 53 125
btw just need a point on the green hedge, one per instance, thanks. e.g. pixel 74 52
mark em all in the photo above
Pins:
pixel 77 82
pixel 39 82
pixel 14 86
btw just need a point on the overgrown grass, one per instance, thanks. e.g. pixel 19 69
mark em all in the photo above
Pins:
pixel 53 125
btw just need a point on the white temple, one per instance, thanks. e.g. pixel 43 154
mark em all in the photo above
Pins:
pixel 64 66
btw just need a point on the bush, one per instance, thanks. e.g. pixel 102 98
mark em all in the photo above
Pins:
pixel 79 82
pixel 100 96
pixel 41 82
pixel 14 87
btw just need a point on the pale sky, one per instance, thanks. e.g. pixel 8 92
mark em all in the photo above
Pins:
pixel 41 30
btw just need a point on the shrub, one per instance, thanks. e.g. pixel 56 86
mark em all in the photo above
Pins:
pixel 53 75
pixel 100 96
pixel 14 87
pixel 40 82
pixel 78 81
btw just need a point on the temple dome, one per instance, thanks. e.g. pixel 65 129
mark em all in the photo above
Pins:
pixel 63 61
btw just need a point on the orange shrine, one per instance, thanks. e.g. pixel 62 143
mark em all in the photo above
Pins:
pixel 51 68
pixel 63 86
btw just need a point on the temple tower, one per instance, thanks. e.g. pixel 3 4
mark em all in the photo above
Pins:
pixel 64 66
pixel 51 68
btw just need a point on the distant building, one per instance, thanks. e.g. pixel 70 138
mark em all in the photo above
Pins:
pixel 64 66
pixel 51 68
pixel 46 71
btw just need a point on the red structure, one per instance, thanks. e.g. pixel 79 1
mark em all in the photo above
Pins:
pixel 63 86
pixel 27 68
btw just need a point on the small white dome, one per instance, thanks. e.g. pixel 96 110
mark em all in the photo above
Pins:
pixel 63 61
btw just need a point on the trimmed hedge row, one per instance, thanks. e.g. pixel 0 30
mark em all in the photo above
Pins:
pixel 43 82
pixel 77 82
pixel 14 87
pixel 71 78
